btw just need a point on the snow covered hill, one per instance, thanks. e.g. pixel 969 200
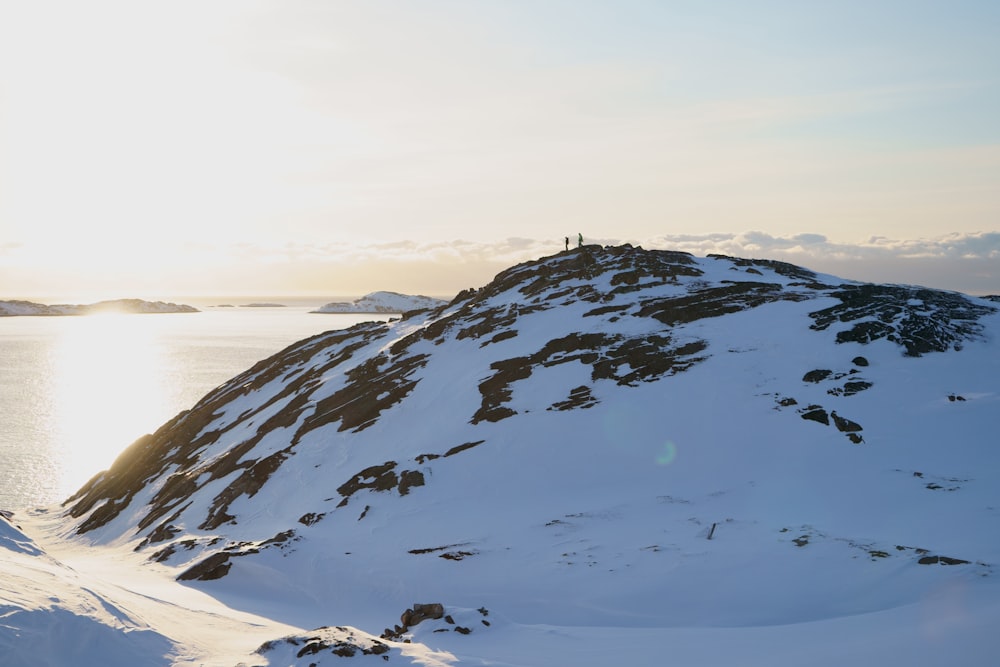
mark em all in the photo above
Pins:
pixel 382 302
pixel 134 306
pixel 607 456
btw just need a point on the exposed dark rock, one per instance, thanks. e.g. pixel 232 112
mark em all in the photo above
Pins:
pixel 817 375
pixel 280 538
pixel 248 483
pixel 496 389
pixel 409 479
pixel 311 518
pixel 373 386
pixel 162 533
pixel 489 322
pixel 845 425
pixel 627 277
pixel 378 477
pixel 919 320
pixel 381 477
pixel 430 550
pixel 339 641
pixel 179 442
pixel 816 413
pixel 503 335
pixel 166 552
pixel 604 310
pixel 781 268
pixel 461 448
pixel 421 612
pixel 946 484
pixel 850 388
pixel 215 566
pixel 859 361
pixel 579 397
pixel 715 302
pixel 218 564
pixel 646 358
pixel 942 560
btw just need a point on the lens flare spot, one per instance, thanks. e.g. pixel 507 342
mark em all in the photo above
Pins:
pixel 667 454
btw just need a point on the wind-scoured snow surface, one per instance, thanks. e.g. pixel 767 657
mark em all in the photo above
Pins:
pixel 382 302
pixel 608 456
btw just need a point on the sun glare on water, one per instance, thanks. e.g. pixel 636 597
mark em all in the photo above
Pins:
pixel 106 391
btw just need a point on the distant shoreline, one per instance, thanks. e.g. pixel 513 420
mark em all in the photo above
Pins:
pixel 21 308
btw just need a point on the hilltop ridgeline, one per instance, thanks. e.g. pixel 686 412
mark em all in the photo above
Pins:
pixel 604 412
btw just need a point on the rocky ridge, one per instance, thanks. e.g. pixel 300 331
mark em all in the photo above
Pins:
pixel 367 423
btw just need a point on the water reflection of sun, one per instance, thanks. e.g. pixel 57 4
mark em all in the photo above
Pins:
pixel 106 391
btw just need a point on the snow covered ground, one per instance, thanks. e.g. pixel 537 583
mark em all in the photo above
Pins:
pixel 606 457
pixel 80 606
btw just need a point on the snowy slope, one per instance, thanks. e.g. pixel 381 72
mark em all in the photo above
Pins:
pixel 607 456
pixel 382 302
pixel 71 606
pixel 43 599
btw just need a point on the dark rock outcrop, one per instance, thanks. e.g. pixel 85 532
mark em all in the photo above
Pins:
pixel 919 320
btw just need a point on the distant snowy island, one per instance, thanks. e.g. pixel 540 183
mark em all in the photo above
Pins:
pixel 128 306
pixel 382 302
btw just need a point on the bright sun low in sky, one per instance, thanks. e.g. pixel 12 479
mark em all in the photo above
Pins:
pixel 334 147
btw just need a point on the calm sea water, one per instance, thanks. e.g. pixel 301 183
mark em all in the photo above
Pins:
pixel 75 391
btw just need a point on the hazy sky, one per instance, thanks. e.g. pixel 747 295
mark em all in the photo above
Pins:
pixel 334 147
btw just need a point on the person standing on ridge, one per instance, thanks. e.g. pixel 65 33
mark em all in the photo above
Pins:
pixel 567 243
pixel 579 241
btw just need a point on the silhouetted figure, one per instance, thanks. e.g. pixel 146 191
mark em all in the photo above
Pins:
pixel 567 243
pixel 579 241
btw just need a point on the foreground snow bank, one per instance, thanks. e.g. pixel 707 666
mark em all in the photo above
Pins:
pixel 65 604
pixel 95 605
pixel 50 615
